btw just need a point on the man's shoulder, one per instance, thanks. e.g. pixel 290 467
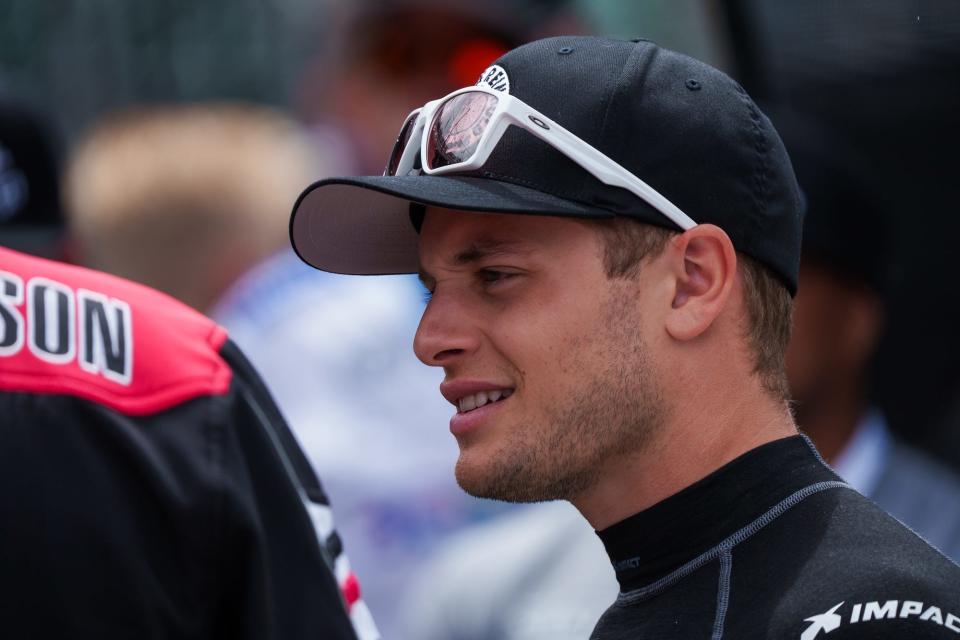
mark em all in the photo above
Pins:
pixel 73 331
pixel 845 534
pixel 853 571
pixel 881 618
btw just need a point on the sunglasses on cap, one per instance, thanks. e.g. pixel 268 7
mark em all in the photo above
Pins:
pixel 460 131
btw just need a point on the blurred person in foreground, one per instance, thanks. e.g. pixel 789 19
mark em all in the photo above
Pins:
pixel 151 488
pixel 195 200
pixel 620 343
pixel 549 582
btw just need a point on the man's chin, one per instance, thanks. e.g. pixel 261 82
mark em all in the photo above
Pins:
pixel 475 478
pixel 480 479
pixel 497 479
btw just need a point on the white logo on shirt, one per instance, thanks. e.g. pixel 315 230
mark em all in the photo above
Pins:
pixel 825 622
pixel 876 611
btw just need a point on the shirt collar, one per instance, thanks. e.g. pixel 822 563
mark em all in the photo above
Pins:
pixel 652 543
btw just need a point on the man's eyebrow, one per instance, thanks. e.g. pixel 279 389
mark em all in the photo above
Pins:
pixel 476 251
pixel 482 249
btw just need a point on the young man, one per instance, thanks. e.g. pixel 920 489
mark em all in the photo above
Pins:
pixel 550 580
pixel 610 233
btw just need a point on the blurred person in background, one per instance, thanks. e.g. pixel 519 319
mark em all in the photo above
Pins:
pixel 151 488
pixel 537 573
pixel 381 56
pixel 185 199
pixel 550 580
pixel 31 212
pixel 838 324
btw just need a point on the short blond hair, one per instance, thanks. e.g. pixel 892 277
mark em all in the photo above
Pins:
pixel 186 198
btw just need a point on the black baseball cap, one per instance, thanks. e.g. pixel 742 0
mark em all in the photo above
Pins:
pixel 683 127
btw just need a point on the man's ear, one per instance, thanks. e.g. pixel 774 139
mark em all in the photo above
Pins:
pixel 704 265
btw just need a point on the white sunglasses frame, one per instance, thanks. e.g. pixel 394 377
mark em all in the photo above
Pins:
pixel 510 110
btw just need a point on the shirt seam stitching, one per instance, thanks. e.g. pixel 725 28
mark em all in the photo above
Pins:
pixel 642 593
pixel 723 592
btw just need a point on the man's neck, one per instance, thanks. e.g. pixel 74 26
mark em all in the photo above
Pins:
pixel 690 445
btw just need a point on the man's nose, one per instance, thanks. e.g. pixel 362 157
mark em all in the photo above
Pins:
pixel 446 333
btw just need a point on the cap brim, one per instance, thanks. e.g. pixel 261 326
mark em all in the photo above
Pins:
pixel 362 225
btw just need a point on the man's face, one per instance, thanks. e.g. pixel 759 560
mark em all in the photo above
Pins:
pixel 543 354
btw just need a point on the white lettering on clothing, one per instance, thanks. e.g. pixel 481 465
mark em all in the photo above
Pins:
pixel 52 317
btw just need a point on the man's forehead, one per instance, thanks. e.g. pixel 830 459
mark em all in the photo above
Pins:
pixel 465 236
pixel 487 246
pixel 450 238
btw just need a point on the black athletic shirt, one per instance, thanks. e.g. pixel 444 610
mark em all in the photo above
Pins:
pixel 775 545
pixel 149 487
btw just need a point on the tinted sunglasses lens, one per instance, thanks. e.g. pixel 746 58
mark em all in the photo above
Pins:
pixel 401 144
pixel 458 127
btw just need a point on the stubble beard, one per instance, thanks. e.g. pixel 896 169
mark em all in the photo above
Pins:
pixel 613 411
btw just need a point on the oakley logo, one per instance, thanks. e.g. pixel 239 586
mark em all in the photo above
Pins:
pixel 537 121
pixel 877 611
pixel 495 78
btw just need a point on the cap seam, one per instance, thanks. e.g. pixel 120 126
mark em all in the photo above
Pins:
pixel 620 88
pixel 760 174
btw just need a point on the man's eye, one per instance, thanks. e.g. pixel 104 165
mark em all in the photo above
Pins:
pixel 494 279
pixel 491 276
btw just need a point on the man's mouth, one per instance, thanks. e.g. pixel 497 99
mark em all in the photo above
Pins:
pixel 481 398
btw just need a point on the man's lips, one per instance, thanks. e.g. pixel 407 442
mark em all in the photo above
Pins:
pixel 468 395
